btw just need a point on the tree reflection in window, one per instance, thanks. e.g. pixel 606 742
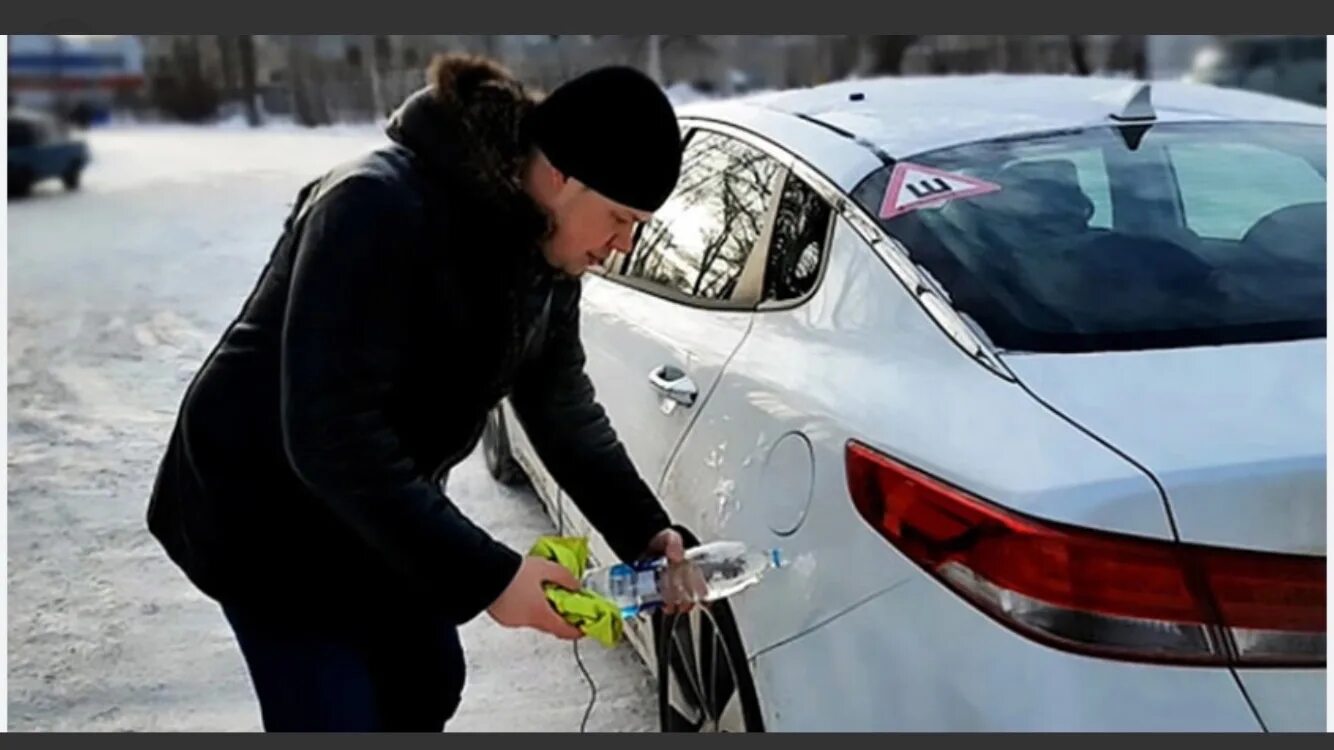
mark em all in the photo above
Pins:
pixel 797 242
pixel 698 243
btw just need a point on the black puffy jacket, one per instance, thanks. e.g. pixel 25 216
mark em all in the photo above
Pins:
pixel 405 297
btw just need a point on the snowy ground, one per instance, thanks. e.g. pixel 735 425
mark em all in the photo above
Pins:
pixel 116 293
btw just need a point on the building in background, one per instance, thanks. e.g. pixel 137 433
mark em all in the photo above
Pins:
pixel 79 77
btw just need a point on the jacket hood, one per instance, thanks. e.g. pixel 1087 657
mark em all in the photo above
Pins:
pixel 466 126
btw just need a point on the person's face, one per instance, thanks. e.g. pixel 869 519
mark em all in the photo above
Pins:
pixel 589 227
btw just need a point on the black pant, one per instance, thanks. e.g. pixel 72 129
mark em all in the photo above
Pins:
pixel 394 673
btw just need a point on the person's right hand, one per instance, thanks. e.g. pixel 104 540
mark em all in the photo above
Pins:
pixel 524 604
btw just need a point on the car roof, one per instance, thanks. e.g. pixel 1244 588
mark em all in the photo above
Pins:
pixel 840 127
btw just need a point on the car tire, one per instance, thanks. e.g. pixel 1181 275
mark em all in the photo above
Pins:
pixel 72 177
pixel 20 184
pixel 704 681
pixel 500 461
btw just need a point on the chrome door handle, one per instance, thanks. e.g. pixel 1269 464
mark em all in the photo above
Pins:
pixel 674 384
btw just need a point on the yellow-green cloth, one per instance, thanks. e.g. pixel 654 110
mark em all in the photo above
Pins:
pixel 596 616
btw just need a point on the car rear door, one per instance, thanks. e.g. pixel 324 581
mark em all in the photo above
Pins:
pixel 663 320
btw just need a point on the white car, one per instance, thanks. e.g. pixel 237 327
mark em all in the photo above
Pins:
pixel 1025 377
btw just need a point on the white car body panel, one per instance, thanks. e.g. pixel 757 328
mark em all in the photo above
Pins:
pixel 544 485
pixel 1290 700
pixel 854 362
pixel 628 334
pixel 844 162
pixel 913 659
pixel 1240 454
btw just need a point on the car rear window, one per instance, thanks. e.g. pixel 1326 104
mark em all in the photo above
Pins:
pixel 1116 238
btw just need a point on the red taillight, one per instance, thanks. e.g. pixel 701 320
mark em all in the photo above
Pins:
pixel 1094 592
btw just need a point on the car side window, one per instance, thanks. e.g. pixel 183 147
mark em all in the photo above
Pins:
pixel 699 242
pixel 796 245
pixel 22 134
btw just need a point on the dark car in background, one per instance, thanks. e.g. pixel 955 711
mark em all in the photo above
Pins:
pixel 41 148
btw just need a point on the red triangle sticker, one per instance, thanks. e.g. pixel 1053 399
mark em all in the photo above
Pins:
pixel 913 186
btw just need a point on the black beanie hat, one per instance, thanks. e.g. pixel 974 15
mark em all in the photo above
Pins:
pixel 615 131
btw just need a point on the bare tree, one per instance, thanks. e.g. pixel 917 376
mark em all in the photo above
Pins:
pixel 732 207
pixel 226 44
pixel 883 53
pixel 304 105
pixel 1139 57
pixel 1128 53
pixel 491 46
pixel 838 55
pixel 653 64
pixel 249 88
pixel 745 183
pixel 380 53
pixel 183 90
pixel 1079 54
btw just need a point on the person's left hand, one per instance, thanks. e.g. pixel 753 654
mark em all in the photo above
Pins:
pixel 682 584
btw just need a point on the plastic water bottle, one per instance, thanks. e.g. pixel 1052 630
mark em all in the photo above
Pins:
pixel 723 569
